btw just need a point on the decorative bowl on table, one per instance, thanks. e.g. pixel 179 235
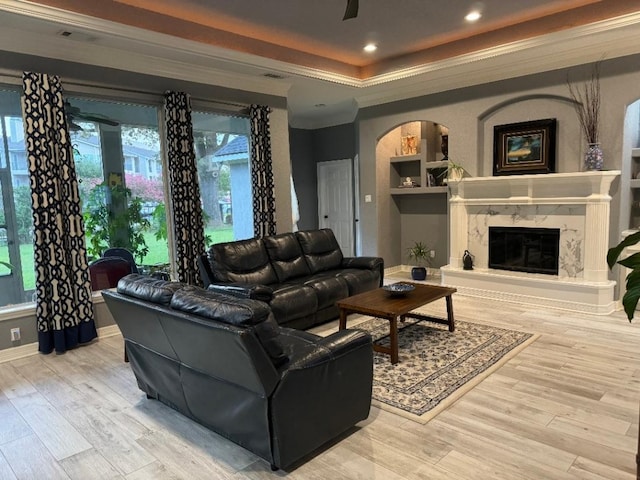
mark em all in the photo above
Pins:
pixel 398 289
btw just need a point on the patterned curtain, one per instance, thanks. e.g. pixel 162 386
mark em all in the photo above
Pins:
pixel 64 309
pixel 264 200
pixel 184 188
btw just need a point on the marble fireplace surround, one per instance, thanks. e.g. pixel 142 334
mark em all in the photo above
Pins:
pixel 576 203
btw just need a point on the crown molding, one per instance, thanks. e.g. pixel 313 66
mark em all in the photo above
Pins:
pixel 585 34
pixel 625 27
pixel 181 59
pixel 607 39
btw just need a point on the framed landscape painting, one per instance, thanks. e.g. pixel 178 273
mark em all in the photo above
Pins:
pixel 525 147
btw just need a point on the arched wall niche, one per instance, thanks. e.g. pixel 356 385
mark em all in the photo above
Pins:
pixel 405 219
pixel 569 141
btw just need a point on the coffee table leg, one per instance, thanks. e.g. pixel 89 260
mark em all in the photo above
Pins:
pixel 343 320
pixel 393 337
pixel 452 324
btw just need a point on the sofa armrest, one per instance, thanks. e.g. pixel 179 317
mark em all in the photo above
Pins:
pixel 371 263
pixel 243 290
pixel 324 391
pixel 329 348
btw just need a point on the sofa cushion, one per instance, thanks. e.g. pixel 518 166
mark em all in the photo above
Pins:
pixel 320 249
pixel 243 261
pixel 148 288
pixel 235 311
pixel 286 256
pixel 292 301
pixel 329 289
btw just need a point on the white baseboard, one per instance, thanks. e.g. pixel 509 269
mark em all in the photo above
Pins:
pixel 22 351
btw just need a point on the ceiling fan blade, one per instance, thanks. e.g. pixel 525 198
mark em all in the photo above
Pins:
pixel 352 10
pixel 74 127
pixel 97 118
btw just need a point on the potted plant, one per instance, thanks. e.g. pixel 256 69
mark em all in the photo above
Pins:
pixel 632 293
pixel 453 171
pixel 114 219
pixel 421 255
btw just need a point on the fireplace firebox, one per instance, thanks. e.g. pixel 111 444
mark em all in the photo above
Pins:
pixel 522 249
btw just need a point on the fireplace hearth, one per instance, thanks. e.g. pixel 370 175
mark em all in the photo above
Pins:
pixel 522 249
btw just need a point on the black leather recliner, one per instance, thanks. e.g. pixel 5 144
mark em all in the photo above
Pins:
pixel 224 362
pixel 300 274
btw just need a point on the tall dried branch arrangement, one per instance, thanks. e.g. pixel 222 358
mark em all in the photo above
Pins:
pixel 587 104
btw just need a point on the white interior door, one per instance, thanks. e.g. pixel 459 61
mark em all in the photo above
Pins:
pixel 335 201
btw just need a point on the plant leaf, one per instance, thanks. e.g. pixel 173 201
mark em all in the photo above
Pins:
pixel 630 300
pixel 614 253
pixel 632 262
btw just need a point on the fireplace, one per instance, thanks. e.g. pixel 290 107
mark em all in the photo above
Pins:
pixel 522 249
pixel 575 203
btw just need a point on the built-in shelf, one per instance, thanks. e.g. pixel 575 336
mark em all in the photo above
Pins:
pixel 418 191
pixel 405 158
pixel 635 152
pixel 634 183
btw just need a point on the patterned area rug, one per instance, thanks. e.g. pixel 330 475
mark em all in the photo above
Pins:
pixel 436 366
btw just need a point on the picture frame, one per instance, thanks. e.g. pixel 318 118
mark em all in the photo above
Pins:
pixel 409 145
pixel 525 147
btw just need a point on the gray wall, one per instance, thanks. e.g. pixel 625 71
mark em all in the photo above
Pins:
pixel 303 170
pixel 471 113
pixel 308 147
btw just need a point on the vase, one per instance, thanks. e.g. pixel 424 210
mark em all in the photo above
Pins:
pixel 418 273
pixel 593 157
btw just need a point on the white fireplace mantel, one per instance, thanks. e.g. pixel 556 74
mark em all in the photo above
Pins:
pixel 577 202
pixel 553 188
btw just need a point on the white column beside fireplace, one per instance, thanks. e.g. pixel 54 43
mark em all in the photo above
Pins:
pixel 575 203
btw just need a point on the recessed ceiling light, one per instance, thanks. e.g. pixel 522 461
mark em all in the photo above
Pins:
pixel 473 16
pixel 370 47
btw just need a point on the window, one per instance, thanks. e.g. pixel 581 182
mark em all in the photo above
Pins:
pixel 116 147
pixel 112 151
pixel 16 248
pixel 222 152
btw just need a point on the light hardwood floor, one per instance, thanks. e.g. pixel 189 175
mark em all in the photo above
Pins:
pixel 566 407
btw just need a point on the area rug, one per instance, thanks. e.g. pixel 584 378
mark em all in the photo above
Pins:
pixel 436 366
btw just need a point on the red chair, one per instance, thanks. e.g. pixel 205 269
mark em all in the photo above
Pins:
pixel 105 272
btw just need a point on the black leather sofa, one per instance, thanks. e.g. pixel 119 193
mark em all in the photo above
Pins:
pixel 224 362
pixel 300 274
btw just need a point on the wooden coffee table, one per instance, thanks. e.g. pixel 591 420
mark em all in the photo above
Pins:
pixel 379 303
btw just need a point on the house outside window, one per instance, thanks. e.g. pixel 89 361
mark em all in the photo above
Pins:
pixel 222 152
